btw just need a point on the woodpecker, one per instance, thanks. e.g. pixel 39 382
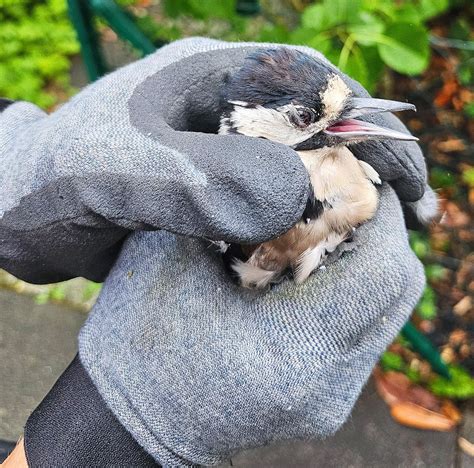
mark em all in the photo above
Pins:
pixel 286 96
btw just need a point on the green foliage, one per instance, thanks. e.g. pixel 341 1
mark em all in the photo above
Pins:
pixel 427 305
pixel 461 385
pixel 461 31
pixel 55 293
pixel 36 40
pixel 441 178
pixel 392 362
pixel 419 244
pixel 468 177
pixel 363 36
pixel 91 289
pixel 201 9
pixel 469 108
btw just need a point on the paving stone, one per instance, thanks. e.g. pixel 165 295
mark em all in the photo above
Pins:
pixel 370 439
pixel 37 342
pixel 467 431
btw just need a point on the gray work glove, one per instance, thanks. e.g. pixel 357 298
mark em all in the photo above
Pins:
pixel 197 368
pixel 125 154
pixel 193 366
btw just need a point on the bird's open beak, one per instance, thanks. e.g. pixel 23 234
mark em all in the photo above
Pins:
pixel 349 128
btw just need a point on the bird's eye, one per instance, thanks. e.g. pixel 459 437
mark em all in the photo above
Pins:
pixel 304 117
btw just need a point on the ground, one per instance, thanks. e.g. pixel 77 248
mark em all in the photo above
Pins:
pixel 38 341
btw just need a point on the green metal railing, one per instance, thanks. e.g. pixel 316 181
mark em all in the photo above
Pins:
pixel 83 12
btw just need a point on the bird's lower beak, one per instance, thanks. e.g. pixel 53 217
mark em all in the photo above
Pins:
pixel 349 128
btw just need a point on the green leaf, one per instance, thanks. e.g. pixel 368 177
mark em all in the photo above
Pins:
pixel 413 375
pixel 431 8
pixel 461 385
pixel 58 292
pixel 461 30
pixel 441 178
pixel 367 29
pixel 435 272
pixel 212 9
pixel 466 69
pixel 392 361
pixel 426 307
pixel 419 244
pixel 312 38
pixel 404 47
pixel 90 290
pixel 375 65
pixel 343 11
pixel 330 13
pixel 275 33
pixel 175 8
pixel 316 17
pixel 356 67
pixel 42 298
pixel 409 13
pixel 384 7
pixel 468 174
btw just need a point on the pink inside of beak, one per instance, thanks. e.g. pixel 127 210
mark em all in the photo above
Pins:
pixel 349 125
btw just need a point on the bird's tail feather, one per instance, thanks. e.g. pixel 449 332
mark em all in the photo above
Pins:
pixel 252 275
pixel 310 259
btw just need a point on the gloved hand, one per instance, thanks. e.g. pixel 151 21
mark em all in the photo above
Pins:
pixel 197 368
pixel 117 158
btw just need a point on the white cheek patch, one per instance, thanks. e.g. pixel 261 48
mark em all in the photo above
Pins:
pixel 262 122
pixel 334 97
pixel 275 125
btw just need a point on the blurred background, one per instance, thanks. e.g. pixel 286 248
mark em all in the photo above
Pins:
pixel 421 51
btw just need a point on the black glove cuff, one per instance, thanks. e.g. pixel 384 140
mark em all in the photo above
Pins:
pixel 73 427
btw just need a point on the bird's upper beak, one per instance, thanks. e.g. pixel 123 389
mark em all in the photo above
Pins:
pixel 349 128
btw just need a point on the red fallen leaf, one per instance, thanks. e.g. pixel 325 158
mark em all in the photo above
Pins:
pixel 451 145
pixel 446 93
pixel 395 388
pixel 412 415
pixel 390 392
pixel 423 397
pixel 454 216
pixel 451 411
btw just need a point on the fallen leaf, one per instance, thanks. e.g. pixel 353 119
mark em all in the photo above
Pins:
pixel 419 396
pixel 448 354
pixel 457 337
pixel 390 391
pixel 455 216
pixel 412 415
pixel 395 387
pixel 466 446
pixel 465 351
pixel 451 411
pixel 446 93
pixel 463 306
pixel 453 144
